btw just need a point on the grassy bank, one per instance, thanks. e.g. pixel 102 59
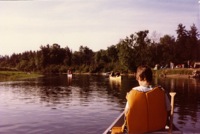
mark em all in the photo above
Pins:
pixel 17 75
pixel 170 72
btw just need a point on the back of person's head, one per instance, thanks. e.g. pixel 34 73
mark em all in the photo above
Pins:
pixel 144 73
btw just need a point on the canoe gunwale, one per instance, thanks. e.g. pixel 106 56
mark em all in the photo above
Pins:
pixel 118 122
pixel 108 130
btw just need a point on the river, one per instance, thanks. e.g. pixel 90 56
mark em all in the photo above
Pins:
pixel 88 104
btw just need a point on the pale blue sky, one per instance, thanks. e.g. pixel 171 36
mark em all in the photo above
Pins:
pixel 26 25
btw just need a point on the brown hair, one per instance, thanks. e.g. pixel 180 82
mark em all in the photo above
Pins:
pixel 144 73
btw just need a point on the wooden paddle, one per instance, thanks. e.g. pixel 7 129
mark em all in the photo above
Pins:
pixel 172 94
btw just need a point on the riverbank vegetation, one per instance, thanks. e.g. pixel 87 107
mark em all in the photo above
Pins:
pixel 186 72
pixel 17 75
pixel 125 56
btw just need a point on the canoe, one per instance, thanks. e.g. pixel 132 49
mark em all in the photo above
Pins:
pixel 117 78
pixel 196 74
pixel 69 75
pixel 118 122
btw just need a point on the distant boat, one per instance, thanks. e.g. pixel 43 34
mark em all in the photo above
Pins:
pixel 117 78
pixel 196 74
pixel 69 75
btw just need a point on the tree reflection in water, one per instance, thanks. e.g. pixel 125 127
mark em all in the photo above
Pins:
pixel 86 97
pixel 187 102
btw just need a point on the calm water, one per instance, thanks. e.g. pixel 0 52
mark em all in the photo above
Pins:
pixel 83 104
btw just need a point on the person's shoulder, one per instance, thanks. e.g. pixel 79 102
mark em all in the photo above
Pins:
pixel 142 88
pixel 136 88
pixel 160 87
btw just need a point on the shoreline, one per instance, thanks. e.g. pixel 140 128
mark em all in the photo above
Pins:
pixel 178 76
pixel 17 75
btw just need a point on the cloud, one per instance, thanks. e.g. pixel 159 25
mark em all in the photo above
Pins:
pixel 95 23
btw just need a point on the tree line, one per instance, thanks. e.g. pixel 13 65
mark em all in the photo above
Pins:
pixel 124 56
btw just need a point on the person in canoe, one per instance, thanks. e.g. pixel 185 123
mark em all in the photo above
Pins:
pixel 115 74
pixel 147 108
pixel 112 74
pixel 69 71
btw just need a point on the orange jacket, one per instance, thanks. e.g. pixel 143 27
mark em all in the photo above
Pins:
pixel 147 111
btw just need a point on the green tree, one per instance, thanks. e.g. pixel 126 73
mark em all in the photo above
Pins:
pixel 101 61
pixel 181 44
pixel 45 56
pixel 68 57
pixel 112 53
pixel 126 53
pixel 143 55
pixel 193 45
pixel 87 55
pixel 167 43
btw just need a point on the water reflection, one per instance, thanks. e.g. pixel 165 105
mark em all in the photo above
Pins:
pixel 187 102
pixel 57 104
pixel 115 83
pixel 69 81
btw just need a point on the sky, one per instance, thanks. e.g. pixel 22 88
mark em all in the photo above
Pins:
pixel 28 24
